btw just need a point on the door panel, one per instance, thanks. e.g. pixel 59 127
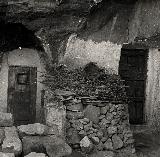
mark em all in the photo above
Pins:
pixel 22 87
pixel 132 69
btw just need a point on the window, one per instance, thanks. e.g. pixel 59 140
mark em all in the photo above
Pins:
pixel 23 78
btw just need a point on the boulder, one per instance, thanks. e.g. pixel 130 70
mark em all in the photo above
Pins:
pixel 72 136
pixel 52 145
pixel 96 126
pixel 6 119
pixel 86 145
pixel 58 149
pixel 104 139
pixel 91 135
pixel 104 123
pixel 117 142
pixel 105 109
pixel 88 126
pixel 100 146
pixel 112 130
pixel 33 144
pixel 11 143
pixel 101 117
pixel 113 108
pixel 86 120
pixel 100 134
pixel 95 140
pixel 90 132
pixel 77 125
pixel 109 116
pixel 34 154
pixel 92 113
pixel 33 129
pixel 115 121
pixel 7 154
pixel 108 145
pixel 82 133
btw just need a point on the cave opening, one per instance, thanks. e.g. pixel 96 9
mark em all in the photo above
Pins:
pixel 16 35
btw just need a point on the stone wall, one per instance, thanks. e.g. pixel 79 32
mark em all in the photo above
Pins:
pixel 94 126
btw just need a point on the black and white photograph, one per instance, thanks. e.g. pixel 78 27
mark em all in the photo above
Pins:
pixel 79 78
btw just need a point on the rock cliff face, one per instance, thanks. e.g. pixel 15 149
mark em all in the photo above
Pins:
pixel 53 21
pixel 51 24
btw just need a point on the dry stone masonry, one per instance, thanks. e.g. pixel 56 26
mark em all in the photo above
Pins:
pixel 98 127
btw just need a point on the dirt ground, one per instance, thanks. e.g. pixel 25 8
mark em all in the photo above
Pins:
pixel 147 144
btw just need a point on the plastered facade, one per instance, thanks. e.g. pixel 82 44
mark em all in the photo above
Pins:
pixel 152 104
pixel 80 52
pixel 20 57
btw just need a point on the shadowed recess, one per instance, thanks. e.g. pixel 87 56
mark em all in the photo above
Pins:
pixel 13 36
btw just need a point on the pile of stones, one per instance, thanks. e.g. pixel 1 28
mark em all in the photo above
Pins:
pixel 32 140
pixel 98 128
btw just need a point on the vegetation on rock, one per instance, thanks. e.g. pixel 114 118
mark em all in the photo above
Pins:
pixel 88 81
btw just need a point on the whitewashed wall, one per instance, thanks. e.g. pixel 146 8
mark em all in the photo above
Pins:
pixel 152 104
pixel 80 52
pixel 23 57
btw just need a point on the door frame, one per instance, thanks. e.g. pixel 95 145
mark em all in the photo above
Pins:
pixel 33 90
pixel 145 53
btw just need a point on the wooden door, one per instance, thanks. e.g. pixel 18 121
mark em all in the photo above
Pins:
pixel 132 69
pixel 22 87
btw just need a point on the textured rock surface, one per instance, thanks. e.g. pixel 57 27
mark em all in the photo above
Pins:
pixel 95 140
pixel 73 137
pixel 7 154
pixel 111 134
pixel 108 145
pixel 92 113
pixel 55 147
pixel 11 143
pixel 86 144
pixel 33 154
pixel 6 119
pixel 51 21
pixel 33 129
pixel 45 7
pixel 117 142
pixel 56 117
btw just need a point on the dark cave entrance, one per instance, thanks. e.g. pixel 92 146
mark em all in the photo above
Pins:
pixel 15 35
